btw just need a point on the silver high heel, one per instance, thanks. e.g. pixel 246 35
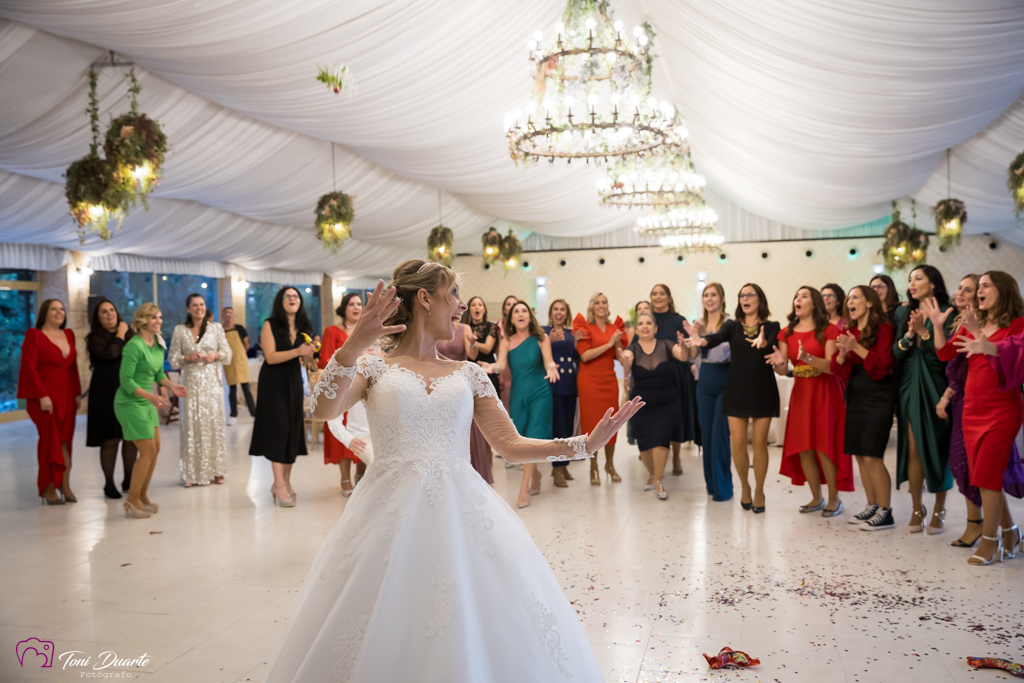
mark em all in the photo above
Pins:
pixel 979 561
pixel 918 528
pixel 1011 552
pixel 649 486
pixel 935 531
pixel 660 491
pixel 285 502
pixel 132 511
pixel 344 493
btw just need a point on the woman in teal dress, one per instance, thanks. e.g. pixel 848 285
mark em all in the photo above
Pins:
pixel 526 350
pixel 142 364
pixel 922 437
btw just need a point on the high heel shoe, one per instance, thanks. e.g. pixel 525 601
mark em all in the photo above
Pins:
pixel 612 474
pixel 524 502
pixel 919 527
pixel 660 491
pixel 151 507
pixel 50 501
pixel 960 544
pixel 110 491
pixel 595 474
pixel 345 493
pixel 568 476
pixel 649 486
pixel 979 561
pixel 757 510
pixel 285 502
pixel 69 496
pixel 1010 551
pixel 132 511
pixel 933 530
pixel 534 491
pixel 746 506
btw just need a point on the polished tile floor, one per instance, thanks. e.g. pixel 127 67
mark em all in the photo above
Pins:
pixel 201 589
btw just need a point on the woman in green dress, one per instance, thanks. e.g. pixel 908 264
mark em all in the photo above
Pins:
pixel 142 364
pixel 923 437
pixel 526 350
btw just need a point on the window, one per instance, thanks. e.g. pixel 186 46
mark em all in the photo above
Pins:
pixel 17 314
pixel 259 303
pixel 172 290
pixel 127 291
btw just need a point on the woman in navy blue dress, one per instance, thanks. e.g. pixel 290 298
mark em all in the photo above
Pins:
pixel 564 394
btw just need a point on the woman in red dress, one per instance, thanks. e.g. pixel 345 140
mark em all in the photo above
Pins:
pixel 991 418
pixel 813 447
pixel 49 382
pixel 597 385
pixel 335 336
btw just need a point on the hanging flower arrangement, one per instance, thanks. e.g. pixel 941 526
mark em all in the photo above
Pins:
pixel 492 246
pixel 1015 183
pixel 337 79
pixel 90 181
pixel 439 245
pixel 950 217
pixel 135 147
pixel 511 250
pixel 334 215
pixel 904 245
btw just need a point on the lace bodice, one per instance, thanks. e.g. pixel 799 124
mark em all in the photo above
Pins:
pixel 413 419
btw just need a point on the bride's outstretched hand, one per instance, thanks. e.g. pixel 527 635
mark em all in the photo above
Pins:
pixel 370 327
pixel 610 424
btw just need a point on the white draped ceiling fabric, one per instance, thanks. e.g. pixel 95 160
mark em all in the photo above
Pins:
pixel 805 116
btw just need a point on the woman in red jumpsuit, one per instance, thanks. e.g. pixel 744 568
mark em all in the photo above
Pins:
pixel 596 382
pixel 335 336
pixel 991 418
pixel 48 380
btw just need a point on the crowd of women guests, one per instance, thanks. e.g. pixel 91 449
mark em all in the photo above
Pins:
pixel 948 367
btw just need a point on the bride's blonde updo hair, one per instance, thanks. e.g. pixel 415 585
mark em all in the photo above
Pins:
pixel 409 277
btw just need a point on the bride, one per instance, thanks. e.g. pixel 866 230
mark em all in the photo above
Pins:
pixel 429 575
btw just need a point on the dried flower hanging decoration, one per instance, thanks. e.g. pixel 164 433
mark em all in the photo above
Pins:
pixel 491 242
pixel 334 215
pixel 1015 183
pixel 439 243
pixel 950 216
pixel 136 148
pixel 338 79
pixel 89 183
pixel 904 245
pixel 511 251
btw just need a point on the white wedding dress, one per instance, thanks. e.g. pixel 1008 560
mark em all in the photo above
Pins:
pixel 429 576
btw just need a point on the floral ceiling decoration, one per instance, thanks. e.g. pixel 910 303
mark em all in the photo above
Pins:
pixel 136 148
pixel 661 180
pixel 1015 183
pixel 338 79
pixel 511 251
pixel 592 93
pixel 439 243
pixel 904 244
pixel 491 243
pixel 334 215
pixel 950 216
pixel 89 182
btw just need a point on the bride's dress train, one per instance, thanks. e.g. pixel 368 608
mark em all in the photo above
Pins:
pixel 429 575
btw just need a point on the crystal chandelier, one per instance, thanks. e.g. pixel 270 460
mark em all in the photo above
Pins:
pixel 591 96
pixel 684 230
pixel 663 180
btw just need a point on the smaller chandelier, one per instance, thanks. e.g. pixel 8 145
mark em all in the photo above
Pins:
pixel 663 180
pixel 591 95
pixel 663 222
pixel 693 241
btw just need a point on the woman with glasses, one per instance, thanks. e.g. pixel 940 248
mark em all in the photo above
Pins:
pixel 279 432
pixel 834 298
pixel 751 395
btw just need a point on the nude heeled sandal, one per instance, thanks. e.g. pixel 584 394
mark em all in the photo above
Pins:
pixel 979 561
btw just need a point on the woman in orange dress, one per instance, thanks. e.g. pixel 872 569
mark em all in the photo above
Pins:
pixel 597 385
pixel 813 447
pixel 335 452
pixel 49 382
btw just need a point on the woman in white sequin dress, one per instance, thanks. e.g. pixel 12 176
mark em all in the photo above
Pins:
pixel 429 575
pixel 199 349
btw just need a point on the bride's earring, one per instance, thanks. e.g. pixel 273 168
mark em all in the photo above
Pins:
pixel 428 311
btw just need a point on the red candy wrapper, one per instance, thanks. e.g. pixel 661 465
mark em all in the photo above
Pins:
pixel 729 658
pixel 992 663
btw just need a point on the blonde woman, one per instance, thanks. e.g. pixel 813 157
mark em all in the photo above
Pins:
pixel 142 364
pixel 200 350
pixel 597 384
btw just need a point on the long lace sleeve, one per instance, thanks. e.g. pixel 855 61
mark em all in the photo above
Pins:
pixel 175 355
pixel 340 387
pixel 497 427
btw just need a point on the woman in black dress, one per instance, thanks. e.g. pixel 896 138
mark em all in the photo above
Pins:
pixel 486 335
pixel 651 363
pixel 865 361
pixel 278 431
pixel 107 336
pixel 750 389
pixel 670 326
